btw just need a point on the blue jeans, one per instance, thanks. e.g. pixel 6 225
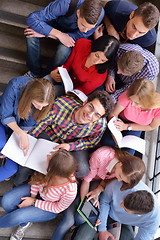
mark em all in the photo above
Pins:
pixel 9 167
pixel 34 57
pixel 21 216
pixel 107 139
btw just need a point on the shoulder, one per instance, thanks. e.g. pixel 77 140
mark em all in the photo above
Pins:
pixel 121 7
pixel 67 101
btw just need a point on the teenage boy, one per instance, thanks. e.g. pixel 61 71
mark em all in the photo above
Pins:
pixel 75 126
pixel 130 23
pixel 54 21
pixel 132 62
pixel 132 207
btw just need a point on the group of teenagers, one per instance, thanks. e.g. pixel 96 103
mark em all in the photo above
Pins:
pixel 115 70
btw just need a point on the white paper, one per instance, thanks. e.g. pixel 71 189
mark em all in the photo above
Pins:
pixel 68 84
pixel 129 141
pixel 36 157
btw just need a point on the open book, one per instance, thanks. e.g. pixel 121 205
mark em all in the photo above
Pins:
pixel 36 157
pixel 68 84
pixel 129 141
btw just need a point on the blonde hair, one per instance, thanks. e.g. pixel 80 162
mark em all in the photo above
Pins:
pixel 42 91
pixel 145 91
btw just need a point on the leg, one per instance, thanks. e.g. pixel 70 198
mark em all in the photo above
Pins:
pixel 66 222
pixel 127 232
pixel 84 232
pixel 134 133
pixel 82 163
pixel 22 176
pixel 10 168
pixel 107 139
pixel 59 58
pixel 33 55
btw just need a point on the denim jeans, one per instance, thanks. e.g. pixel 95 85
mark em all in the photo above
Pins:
pixel 21 216
pixel 34 57
pixel 10 167
pixel 107 139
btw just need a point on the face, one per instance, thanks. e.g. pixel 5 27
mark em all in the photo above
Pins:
pixel 119 71
pixel 39 105
pixel 135 27
pixel 135 101
pixel 90 112
pixel 97 58
pixel 82 23
pixel 119 174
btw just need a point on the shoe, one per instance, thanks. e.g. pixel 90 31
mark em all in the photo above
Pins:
pixel 29 74
pixel 19 233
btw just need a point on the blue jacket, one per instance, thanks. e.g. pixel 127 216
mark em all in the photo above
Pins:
pixel 40 20
pixel 9 103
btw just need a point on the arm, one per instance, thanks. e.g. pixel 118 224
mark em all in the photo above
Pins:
pixel 118 108
pixel 110 28
pixel 84 189
pixel 29 201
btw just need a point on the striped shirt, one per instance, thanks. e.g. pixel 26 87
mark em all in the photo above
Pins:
pixel 150 69
pixel 61 127
pixel 101 163
pixel 57 198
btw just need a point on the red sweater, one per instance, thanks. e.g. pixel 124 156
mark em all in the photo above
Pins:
pixel 84 79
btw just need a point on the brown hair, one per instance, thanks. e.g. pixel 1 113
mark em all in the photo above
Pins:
pixel 140 202
pixel 41 90
pixel 132 167
pixel 62 163
pixel 145 91
pixel 91 10
pixel 149 13
pixel 104 98
pixel 131 62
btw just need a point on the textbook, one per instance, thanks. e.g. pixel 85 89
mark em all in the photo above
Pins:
pixel 88 211
pixel 36 157
pixel 68 84
pixel 129 141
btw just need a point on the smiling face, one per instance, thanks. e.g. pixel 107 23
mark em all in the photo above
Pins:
pixel 135 27
pixel 90 112
pixel 39 105
pixel 97 57
pixel 119 174
pixel 83 25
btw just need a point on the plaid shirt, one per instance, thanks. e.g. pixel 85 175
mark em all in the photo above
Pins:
pixel 61 127
pixel 150 69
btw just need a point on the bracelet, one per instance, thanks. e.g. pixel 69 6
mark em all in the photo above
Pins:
pixel 34 202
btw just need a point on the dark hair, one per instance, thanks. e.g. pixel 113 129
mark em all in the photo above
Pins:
pixel 91 10
pixel 109 46
pixel 149 13
pixel 140 202
pixel 62 163
pixel 104 98
pixel 131 62
pixel 132 167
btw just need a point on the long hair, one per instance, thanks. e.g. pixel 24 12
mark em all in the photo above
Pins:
pixel 132 167
pixel 109 46
pixel 62 163
pixel 42 91
pixel 145 91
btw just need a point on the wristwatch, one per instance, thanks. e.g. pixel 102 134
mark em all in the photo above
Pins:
pixel 129 128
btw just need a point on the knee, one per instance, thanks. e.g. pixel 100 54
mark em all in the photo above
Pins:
pixel 82 171
pixel 7 202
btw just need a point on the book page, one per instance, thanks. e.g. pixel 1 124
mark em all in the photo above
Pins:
pixel 116 133
pixel 13 151
pixel 79 94
pixel 68 84
pixel 133 142
pixel 38 157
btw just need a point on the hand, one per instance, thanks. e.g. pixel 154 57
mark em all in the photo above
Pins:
pixel 110 84
pixel 55 75
pixel 27 201
pixel 99 31
pixel 65 146
pixel 65 39
pixel 112 32
pixel 24 143
pixel 94 194
pixel 28 32
pixel 120 125
pixel 105 235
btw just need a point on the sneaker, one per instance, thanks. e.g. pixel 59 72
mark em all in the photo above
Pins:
pixel 19 233
pixel 29 74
